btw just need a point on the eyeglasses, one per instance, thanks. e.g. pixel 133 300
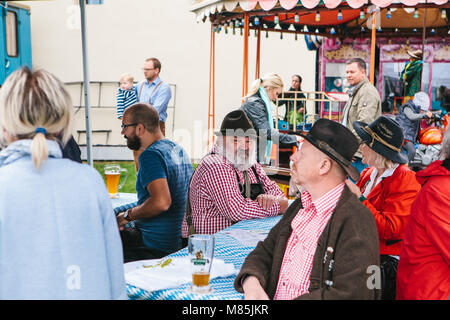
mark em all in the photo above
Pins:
pixel 123 126
pixel 144 69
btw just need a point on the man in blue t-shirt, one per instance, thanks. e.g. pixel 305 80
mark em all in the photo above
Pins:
pixel 162 184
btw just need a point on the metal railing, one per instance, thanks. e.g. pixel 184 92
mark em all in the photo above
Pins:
pixel 97 90
pixel 320 99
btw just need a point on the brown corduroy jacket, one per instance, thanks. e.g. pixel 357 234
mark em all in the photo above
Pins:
pixel 352 235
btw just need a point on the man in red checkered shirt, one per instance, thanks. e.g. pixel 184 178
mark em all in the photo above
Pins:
pixel 326 244
pixel 219 195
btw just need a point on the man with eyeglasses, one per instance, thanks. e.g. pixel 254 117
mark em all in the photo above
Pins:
pixel 161 185
pixel 154 91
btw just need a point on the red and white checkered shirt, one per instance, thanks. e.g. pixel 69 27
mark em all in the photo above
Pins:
pixel 307 226
pixel 216 202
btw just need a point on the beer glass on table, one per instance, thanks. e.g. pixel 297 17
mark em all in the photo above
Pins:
pixel 201 252
pixel 112 179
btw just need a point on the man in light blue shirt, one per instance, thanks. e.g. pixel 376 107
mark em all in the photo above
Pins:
pixel 154 91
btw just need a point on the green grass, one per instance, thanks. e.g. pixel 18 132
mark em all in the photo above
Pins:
pixel 130 183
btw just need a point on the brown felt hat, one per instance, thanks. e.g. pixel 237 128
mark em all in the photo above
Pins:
pixel 416 54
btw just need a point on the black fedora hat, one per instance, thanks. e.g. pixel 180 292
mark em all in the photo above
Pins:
pixel 336 141
pixel 384 136
pixel 236 123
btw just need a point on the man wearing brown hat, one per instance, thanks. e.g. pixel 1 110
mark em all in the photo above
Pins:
pixel 229 185
pixel 412 73
pixel 326 244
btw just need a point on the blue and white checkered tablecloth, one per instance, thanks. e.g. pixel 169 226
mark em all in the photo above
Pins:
pixel 124 202
pixel 226 248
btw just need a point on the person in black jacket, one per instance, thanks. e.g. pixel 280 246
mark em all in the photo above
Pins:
pixel 291 105
pixel 71 150
pixel 258 106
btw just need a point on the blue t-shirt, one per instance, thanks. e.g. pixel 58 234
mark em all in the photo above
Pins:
pixel 167 160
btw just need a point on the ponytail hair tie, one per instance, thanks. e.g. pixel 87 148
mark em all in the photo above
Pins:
pixel 40 130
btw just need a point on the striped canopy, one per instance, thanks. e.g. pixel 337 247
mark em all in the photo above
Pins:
pixel 207 7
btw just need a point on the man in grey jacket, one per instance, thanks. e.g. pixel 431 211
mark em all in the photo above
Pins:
pixel 364 103
pixel 326 245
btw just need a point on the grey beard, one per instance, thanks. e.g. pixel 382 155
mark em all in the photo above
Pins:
pixel 238 161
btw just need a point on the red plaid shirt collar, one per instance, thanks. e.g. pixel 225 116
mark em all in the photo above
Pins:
pixel 325 202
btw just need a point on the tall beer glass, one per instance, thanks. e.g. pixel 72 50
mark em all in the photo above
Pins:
pixel 201 252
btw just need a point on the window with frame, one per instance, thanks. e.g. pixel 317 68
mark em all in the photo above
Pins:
pixel 335 81
pixel 440 84
pixel 11 34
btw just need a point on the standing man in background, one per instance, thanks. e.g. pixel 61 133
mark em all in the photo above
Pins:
pixel 154 91
pixel 364 103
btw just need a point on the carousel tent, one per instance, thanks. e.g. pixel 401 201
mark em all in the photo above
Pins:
pixel 326 18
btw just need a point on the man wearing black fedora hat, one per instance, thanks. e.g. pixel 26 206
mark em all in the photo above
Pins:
pixel 229 185
pixel 326 242
pixel 388 188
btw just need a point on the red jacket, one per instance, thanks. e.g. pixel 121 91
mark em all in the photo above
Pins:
pixel 390 202
pixel 424 267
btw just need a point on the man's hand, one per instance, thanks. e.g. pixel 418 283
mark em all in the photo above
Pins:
pixel 121 221
pixel 353 188
pixel 266 201
pixel 253 290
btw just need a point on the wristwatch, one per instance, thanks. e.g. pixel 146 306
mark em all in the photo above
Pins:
pixel 127 215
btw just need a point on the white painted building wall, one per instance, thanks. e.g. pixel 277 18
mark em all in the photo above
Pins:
pixel 123 33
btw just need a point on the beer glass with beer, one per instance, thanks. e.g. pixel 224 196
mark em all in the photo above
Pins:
pixel 201 252
pixel 112 178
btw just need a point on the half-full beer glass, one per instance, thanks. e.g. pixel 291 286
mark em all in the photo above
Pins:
pixel 112 178
pixel 201 252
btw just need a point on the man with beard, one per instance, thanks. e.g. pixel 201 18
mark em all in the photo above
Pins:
pixel 161 186
pixel 229 185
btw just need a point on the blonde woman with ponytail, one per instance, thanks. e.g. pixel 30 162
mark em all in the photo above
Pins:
pixel 258 106
pixel 59 235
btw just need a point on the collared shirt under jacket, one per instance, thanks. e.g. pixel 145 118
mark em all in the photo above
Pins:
pixel 352 236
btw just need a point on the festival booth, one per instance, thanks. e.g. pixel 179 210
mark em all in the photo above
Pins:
pixel 379 31
pixel 391 56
